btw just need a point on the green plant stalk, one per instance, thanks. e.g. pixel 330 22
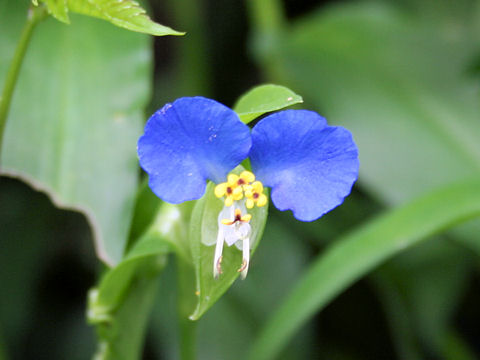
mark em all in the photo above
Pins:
pixel 35 15
pixel 268 24
pixel 186 303
pixel 192 59
pixel 188 331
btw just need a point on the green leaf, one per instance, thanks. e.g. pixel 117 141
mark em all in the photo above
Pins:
pixel 57 8
pixel 203 230
pixel 147 205
pixel 119 307
pixel 159 239
pixel 76 117
pixel 122 337
pixel 127 14
pixel 263 99
pixel 421 290
pixel 356 254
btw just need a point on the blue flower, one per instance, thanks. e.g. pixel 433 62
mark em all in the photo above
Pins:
pixel 309 166
pixel 188 142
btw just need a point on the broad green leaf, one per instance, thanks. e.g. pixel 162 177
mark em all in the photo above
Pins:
pixel 75 119
pixel 263 99
pixel 124 13
pixel 354 255
pixel 203 230
pixel 127 14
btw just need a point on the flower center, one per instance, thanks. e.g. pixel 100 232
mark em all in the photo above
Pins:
pixel 239 186
pixel 239 193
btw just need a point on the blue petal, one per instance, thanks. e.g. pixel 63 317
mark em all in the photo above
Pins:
pixel 188 142
pixel 309 165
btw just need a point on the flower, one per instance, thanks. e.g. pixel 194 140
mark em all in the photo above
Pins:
pixel 188 142
pixel 309 165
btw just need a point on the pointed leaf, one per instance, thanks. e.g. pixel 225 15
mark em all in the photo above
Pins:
pixel 57 8
pixel 123 13
pixel 204 228
pixel 263 99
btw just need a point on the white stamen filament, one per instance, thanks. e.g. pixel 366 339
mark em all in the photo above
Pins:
pixel 231 234
pixel 246 256
pixel 218 252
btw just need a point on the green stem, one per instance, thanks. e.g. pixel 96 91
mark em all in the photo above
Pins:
pixel 192 59
pixel 186 303
pixel 266 16
pixel 35 14
pixel 268 24
pixel 188 336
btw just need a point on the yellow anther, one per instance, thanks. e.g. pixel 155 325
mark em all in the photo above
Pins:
pixel 254 194
pixel 228 201
pixel 230 189
pixel 237 193
pixel 232 180
pixel 237 186
pixel 220 190
pixel 227 222
pixel 246 218
pixel 262 200
pixel 238 217
pixel 246 177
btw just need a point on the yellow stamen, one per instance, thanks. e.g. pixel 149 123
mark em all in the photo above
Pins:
pixel 220 190
pixel 247 177
pixel 238 186
pixel 262 200
pixel 238 217
pixel 246 218
pixel 254 194
pixel 228 201
pixel 232 179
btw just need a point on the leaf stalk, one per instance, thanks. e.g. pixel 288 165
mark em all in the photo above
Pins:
pixel 34 16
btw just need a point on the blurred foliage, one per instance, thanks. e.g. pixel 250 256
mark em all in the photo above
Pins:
pixel 401 75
